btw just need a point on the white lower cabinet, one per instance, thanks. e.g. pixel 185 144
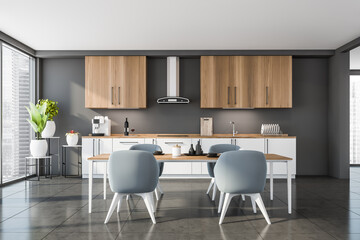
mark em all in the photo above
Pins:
pixel 175 168
pixel 92 147
pixel 285 147
pixel 255 144
pixel 105 145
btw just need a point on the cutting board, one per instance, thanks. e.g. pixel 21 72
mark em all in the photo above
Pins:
pixel 206 126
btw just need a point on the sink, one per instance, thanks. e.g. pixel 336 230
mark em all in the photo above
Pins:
pixel 173 135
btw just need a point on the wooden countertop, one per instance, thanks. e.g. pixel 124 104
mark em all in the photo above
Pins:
pixel 168 157
pixel 164 135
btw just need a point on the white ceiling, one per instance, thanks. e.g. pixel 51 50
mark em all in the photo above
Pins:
pixel 181 24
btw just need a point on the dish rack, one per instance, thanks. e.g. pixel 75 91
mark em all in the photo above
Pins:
pixel 270 129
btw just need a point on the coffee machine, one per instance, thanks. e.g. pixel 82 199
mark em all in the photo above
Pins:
pixel 101 126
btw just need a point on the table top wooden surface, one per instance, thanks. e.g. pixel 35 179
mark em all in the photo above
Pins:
pixel 169 157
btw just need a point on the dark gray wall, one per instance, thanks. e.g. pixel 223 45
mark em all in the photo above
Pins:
pixel 63 81
pixel 339 140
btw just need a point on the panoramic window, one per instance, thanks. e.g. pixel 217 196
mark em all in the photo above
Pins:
pixel 17 92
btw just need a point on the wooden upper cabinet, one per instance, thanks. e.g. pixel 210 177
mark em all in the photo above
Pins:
pixel 214 77
pixel 225 82
pixel 130 81
pixel 115 82
pixel 98 76
pixel 272 82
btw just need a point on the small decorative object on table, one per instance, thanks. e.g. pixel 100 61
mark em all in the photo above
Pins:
pixel 199 150
pixel 191 150
pixel 38 119
pixel 72 138
pixel 176 151
pixel 52 110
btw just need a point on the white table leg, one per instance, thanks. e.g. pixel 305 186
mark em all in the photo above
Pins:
pixel 289 185
pixel 90 184
pixel 271 180
pixel 105 178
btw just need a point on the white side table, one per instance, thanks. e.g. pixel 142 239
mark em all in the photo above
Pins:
pixel 46 166
pixel 79 162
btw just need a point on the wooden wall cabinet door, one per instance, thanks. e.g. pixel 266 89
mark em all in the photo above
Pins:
pixel 280 82
pixel 130 81
pixel 271 81
pixel 115 82
pixel 99 73
pixel 226 82
pixel 214 79
pixel 240 82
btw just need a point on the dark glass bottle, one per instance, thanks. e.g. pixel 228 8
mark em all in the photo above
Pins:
pixel 192 150
pixel 198 148
pixel 126 127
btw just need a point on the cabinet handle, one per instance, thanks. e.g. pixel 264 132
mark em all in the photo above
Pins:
pixel 93 147
pixel 112 96
pixel 228 95
pixel 128 142
pixel 174 142
pixel 99 146
pixel 267 95
pixel 119 95
pixel 235 94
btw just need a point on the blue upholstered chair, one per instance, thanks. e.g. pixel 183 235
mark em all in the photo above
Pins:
pixel 133 172
pixel 217 148
pixel 151 148
pixel 241 172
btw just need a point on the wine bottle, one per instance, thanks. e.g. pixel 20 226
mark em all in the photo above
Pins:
pixel 126 127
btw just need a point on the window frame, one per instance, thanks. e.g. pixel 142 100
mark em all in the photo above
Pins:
pixel 33 94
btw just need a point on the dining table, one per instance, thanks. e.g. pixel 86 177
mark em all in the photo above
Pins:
pixel 270 158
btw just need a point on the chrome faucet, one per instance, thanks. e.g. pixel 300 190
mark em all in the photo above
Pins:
pixel 233 126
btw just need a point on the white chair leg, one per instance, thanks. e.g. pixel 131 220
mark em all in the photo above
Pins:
pixel 112 207
pixel 156 195
pixel 227 201
pixel 146 196
pixel 159 189
pixel 210 185
pixel 221 201
pixel 152 202
pixel 127 197
pixel 261 205
pixel 214 191
pixel 242 197
pixel 119 204
pixel 253 203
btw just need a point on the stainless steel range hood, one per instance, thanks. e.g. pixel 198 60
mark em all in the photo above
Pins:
pixel 173 80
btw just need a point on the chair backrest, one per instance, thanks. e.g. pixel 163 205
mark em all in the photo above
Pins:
pixel 133 171
pixel 146 147
pixel 241 172
pixel 220 148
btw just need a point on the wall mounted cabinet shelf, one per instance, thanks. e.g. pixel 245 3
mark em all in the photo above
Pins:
pixel 115 82
pixel 246 82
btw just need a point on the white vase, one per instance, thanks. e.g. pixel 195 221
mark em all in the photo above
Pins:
pixel 72 140
pixel 49 129
pixel 38 148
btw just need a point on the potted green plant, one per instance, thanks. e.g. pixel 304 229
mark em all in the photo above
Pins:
pixel 53 110
pixel 38 120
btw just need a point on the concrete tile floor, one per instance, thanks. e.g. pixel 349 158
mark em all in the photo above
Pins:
pixel 323 208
